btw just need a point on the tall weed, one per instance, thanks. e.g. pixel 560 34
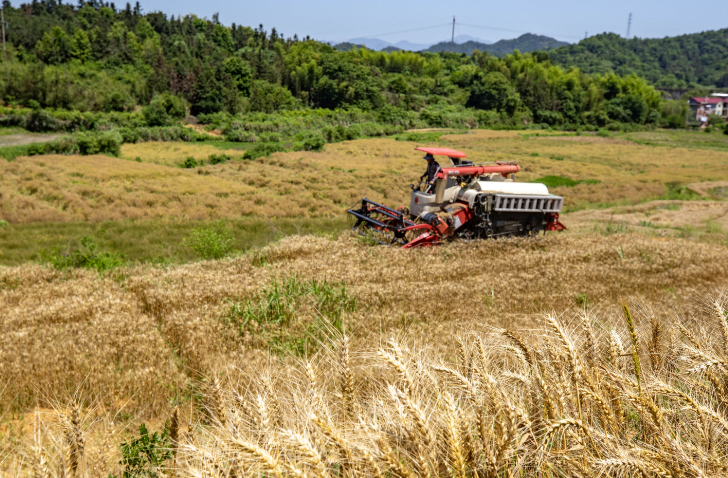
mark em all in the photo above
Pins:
pixel 211 242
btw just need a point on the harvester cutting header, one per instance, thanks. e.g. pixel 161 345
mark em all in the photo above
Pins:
pixel 464 201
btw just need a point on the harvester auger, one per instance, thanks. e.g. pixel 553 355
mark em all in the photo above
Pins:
pixel 469 201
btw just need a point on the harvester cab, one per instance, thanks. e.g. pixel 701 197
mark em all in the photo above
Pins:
pixel 470 201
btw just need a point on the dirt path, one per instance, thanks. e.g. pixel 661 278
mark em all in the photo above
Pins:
pixel 21 139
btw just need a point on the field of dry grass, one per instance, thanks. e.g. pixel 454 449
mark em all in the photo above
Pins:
pixel 323 184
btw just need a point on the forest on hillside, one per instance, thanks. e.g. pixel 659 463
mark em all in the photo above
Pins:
pixel 673 62
pixel 525 43
pixel 96 57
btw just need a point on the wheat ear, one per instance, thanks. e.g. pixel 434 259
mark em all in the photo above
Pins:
pixel 270 463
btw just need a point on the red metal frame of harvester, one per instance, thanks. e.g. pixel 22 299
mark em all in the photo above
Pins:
pixel 469 169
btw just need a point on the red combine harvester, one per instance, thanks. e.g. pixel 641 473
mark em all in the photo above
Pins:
pixel 469 201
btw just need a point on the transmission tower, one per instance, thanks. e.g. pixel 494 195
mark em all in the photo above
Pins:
pixel 452 41
pixel 629 25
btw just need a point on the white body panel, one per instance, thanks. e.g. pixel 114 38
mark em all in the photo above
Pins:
pixel 503 187
pixel 421 202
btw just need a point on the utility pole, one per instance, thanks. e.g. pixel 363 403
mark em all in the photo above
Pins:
pixel 629 25
pixel 452 41
pixel 5 55
pixel 586 34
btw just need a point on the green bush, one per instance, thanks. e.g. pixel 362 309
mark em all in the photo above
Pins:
pixel 87 143
pixel 210 242
pixel 4 223
pixel 675 121
pixel 241 136
pixel 110 143
pixel 314 143
pixel 270 137
pixel 353 132
pixel 41 121
pixel 189 163
pixel 85 255
pixel 36 149
pixel 164 109
pixel 263 150
pixel 146 456
pixel 218 158
pixel 716 120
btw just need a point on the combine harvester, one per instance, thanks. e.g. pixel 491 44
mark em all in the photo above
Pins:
pixel 470 201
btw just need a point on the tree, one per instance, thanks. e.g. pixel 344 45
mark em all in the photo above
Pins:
pixel 268 98
pixel 55 47
pixel 221 37
pixel 494 92
pixel 81 46
pixel 628 109
pixel 239 71
pixel 164 109
pixel 346 83
pixel 206 93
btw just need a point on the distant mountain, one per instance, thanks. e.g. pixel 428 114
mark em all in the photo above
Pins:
pixel 525 43
pixel 467 38
pixel 371 43
pixel 406 45
pixel 671 62
pixel 346 46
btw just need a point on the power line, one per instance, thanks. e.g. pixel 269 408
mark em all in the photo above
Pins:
pixel 483 27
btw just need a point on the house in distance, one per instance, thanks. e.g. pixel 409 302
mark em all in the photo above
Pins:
pixel 703 107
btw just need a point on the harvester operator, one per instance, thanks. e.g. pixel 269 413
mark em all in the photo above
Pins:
pixel 432 169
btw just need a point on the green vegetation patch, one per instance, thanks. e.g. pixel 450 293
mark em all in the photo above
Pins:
pixel 560 181
pixel 82 254
pixel 275 315
pixel 426 137
pixel 148 241
pixel 679 192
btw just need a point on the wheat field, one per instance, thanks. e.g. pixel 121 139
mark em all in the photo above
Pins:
pixel 148 343
pixel 56 188
pixel 597 352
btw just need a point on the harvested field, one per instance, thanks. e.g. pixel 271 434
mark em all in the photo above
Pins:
pixel 324 184
pixel 588 139
pixel 706 221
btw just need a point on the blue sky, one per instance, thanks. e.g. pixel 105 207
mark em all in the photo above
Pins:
pixel 431 20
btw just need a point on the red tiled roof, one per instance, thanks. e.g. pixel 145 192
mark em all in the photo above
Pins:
pixel 711 100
